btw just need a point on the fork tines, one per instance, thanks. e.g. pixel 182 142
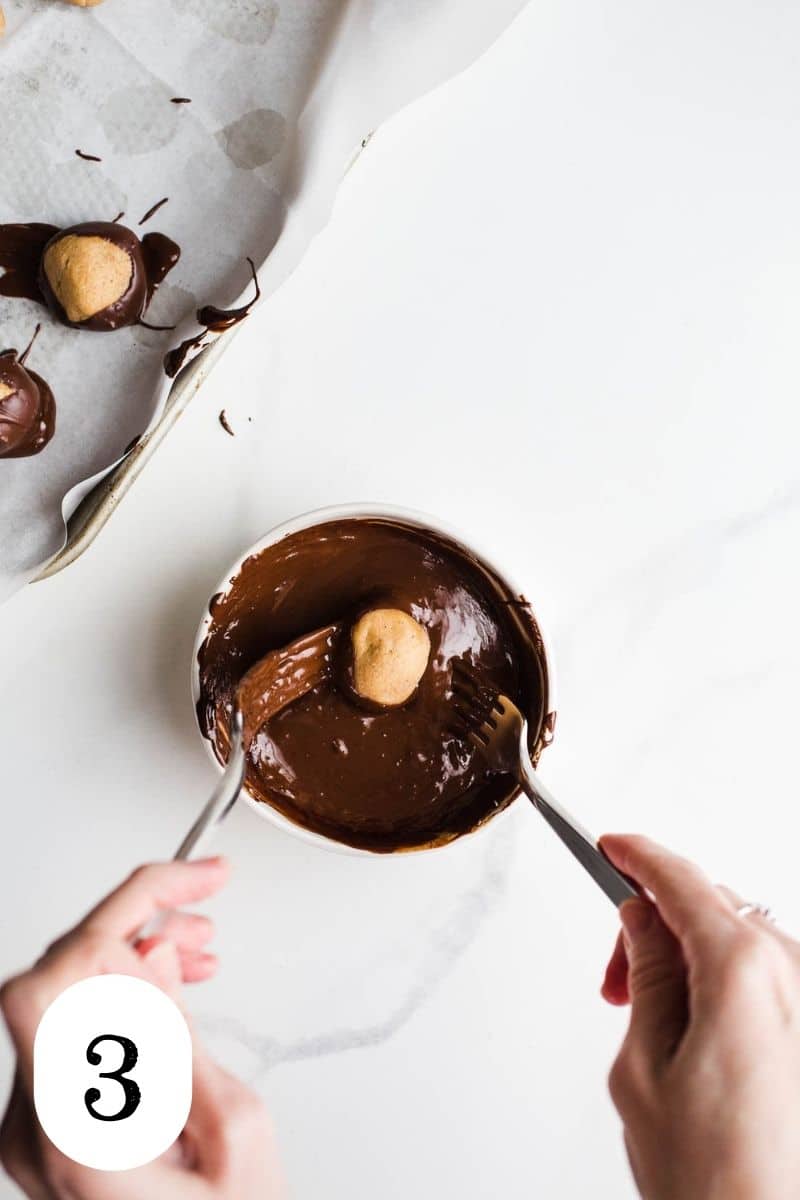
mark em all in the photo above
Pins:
pixel 476 706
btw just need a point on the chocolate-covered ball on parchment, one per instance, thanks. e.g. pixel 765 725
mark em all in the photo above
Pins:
pixel 27 409
pixel 100 276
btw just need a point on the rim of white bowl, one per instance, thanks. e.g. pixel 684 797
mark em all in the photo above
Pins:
pixel 366 510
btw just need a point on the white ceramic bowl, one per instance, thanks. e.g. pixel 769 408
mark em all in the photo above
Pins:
pixel 403 516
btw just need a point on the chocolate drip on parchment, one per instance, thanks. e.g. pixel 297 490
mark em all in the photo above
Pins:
pixel 215 320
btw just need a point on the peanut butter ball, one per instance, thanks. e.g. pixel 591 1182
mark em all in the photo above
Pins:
pixel 93 276
pixel 390 653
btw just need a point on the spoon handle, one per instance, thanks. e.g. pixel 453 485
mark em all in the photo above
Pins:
pixel 214 811
pixel 219 805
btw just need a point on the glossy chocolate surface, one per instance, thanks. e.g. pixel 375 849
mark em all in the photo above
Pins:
pixel 381 779
pixel 282 676
pixel 160 255
pixel 27 413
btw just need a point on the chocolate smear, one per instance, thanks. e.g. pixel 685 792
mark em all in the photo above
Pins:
pixel 160 255
pixel 223 420
pixel 21 249
pixel 88 157
pixel 175 359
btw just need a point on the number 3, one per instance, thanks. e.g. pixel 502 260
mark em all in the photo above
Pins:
pixel 130 1056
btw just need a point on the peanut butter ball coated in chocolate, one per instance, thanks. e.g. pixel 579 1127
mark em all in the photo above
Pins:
pixel 27 411
pixel 99 275
pixel 93 276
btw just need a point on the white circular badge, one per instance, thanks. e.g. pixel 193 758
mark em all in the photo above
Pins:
pixel 112 1072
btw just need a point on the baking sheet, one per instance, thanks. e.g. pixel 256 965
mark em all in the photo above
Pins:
pixel 282 93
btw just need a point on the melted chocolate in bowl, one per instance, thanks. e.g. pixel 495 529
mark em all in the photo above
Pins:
pixel 382 780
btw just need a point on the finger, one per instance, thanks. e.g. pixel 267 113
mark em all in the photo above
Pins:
pixel 153 888
pixel 687 900
pixel 615 984
pixel 96 946
pixel 24 999
pixel 197 966
pixel 738 902
pixel 171 966
pixel 162 959
pixel 19 1145
pixel 185 931
pixel 657 984
pixel 188 931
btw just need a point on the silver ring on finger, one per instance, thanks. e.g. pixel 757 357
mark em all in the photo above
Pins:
pixel 759 910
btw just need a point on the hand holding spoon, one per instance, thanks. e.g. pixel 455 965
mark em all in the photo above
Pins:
pixel 274 682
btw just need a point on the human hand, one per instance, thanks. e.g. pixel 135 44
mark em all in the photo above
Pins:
pixel 708 1078
pixel 225 1150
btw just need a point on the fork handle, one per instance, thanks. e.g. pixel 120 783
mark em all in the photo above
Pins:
pixel 617 887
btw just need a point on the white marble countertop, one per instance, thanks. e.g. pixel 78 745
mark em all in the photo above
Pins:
pixel 558 306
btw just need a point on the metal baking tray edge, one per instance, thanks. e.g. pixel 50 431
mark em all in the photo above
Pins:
pixel 101 502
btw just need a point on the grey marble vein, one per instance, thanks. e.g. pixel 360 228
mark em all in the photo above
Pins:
pixel 445 945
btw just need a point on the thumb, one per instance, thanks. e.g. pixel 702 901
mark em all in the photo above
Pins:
pixel 656 982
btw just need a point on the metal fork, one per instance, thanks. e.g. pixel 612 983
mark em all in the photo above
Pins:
pixel 497 728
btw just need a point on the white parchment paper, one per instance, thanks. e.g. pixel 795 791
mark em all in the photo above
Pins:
pixel 282 94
